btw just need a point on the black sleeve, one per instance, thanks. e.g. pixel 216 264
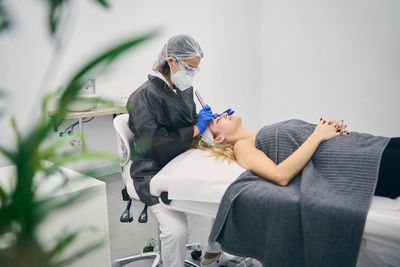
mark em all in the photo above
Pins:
pixel 163 144
pixel 195 115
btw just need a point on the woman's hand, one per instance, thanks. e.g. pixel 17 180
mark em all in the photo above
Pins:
pixel 340 126
pixel 326 130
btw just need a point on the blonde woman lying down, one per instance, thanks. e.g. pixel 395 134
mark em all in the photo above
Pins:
pixel 233 141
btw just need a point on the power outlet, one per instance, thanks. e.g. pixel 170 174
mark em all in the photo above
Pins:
pixel 62 134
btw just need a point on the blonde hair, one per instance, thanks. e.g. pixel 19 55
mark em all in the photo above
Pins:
pixel 220 151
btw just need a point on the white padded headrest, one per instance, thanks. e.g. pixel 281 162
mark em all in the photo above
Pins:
pixel 207 137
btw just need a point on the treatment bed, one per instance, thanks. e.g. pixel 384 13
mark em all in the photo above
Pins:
pixel 194 183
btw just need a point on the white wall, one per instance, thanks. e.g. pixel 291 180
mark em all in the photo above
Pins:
pixel 228 32
pixel 270 60
pixel 331 59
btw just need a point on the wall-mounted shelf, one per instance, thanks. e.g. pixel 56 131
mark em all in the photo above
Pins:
pixel 98 111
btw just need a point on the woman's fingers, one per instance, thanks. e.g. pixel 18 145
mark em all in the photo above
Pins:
pixel 338 124
pixel 342 127
pixel 331 123
pixel 328 129
pixel 344 132
pixel 335 123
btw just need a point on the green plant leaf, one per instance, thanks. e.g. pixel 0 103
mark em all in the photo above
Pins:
pixel 73 156
pixel 55 10
pixel 23 207
pixel 4 211
pixel 110 103
pixel 45 104
pixel 51 150
pixel 5 20
pixel 3 95
pixel 3 196
pixel 103 3
pixel 99 64
pixel 48 174
pixel 42 208
pixel 80 254
pixel 142 145
pixel 16 131
pixel 9 154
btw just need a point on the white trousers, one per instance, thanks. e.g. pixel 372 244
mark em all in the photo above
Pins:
pixel 174 235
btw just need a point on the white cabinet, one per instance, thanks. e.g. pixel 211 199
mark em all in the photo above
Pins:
pixel 88 214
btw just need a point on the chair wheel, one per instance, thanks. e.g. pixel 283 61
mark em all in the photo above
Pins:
pixel 196 254
pixel 126 217
pixel 143 215
pixel 148 248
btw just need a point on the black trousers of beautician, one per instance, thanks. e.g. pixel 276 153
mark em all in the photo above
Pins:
pixel 389 171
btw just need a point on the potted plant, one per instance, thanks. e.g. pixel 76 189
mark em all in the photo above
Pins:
pixel 21 212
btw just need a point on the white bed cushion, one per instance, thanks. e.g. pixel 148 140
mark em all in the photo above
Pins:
pixel 200 180
pixel 382 230
pixel 196 176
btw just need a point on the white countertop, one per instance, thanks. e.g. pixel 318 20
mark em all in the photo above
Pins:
pixel 52 186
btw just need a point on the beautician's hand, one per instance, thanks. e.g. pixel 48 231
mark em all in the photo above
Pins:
pixel 326 130
pixel 229 111
pixel 205 116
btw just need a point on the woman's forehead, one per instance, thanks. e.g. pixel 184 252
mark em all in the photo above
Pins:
pixel 213 125
pixel 216 120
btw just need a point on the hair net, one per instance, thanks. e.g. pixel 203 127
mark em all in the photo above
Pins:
pixel 180 47
pixel 208 137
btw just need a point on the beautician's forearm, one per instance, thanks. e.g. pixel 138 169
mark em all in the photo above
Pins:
pixel 196 131
pixel 292 165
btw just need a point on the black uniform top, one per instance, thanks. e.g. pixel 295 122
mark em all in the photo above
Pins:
pixel 162 122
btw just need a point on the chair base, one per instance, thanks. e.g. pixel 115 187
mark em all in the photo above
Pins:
pixel 190 264
pixel 157 257
pixel 139 257
pixel 145 256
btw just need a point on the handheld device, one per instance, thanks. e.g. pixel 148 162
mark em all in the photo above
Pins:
pixel 199 98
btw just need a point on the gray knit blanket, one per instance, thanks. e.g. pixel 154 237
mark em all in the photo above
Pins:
pixel 318 219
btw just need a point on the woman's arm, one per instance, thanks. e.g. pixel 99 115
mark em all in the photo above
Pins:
pixel 249 157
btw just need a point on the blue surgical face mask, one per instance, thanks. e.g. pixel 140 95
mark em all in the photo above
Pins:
pixel 182 79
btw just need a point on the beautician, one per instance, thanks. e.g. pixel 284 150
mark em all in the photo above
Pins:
pixel 163 118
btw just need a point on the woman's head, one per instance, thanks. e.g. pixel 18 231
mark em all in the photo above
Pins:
pixel 224 128
pixel 181 52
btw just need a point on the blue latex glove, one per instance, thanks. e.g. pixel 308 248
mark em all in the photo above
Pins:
pixel 229 111
pixel 205 116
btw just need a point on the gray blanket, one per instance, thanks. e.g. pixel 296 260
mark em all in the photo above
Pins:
pixel 319 218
